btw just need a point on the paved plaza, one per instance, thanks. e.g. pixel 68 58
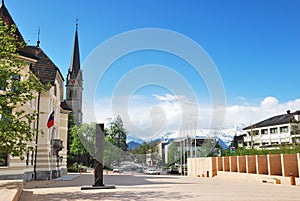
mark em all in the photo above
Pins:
pixel 156 187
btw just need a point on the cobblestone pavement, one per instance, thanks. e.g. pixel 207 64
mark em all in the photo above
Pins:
pixel 158 187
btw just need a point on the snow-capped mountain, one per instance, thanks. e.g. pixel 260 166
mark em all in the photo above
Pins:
pixel 131 138
pixel 225 135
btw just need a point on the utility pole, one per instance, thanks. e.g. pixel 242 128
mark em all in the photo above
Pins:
pixel 184 151
pixel 180 152
pixel 251 137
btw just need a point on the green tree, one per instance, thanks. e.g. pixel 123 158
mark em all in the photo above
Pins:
pixel 82 145
pixel 295 129
pixel 140 153
pixel 111 153
pixel 116 134
pixel 173 153
pixel 16 89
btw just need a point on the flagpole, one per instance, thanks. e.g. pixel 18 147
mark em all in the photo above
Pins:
pixel 37 135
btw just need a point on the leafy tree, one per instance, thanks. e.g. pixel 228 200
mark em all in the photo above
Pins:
pixel 111 153
pixel 82 146
pixel 140 153
pixel 16 89
pixel 173 153
pixel 87 136
pixel 117 134
pixel 77 146
pixel 295 127
pixel 207 148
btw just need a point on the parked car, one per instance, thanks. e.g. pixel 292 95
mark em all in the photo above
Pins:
pixel 152 172
pixel 118 170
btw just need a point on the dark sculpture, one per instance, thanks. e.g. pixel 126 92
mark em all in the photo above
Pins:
pixel 98 174
pixel 99 155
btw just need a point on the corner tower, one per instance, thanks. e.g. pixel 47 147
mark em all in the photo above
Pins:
pixel 74 85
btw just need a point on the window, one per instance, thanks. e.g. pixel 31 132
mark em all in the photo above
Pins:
pixel 27 158
pixel 3 160
pixel 32 157
pixel 15 79
pixel 284 129
pixel 264 131
pixel 273 130
pixel 55 90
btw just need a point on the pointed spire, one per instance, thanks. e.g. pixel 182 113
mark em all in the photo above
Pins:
pixel 38 41
pixel 76 24
pixel 75 63
pixel 2 3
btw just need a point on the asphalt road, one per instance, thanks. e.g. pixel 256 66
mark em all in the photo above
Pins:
pixel 158 187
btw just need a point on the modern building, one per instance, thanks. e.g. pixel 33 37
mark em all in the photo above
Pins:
pixel 49 159
pixel 277 130
pixel 192 147
pixel 74 86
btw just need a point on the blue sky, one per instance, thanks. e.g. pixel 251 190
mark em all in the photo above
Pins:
pixel 254 43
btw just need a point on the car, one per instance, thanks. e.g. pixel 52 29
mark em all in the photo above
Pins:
pixel 118 170
pixel 152 172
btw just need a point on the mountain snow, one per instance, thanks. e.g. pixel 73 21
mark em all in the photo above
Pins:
pixel 225 135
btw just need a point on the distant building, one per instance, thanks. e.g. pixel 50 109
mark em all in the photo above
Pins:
pixel 238 141
pixel 50 159
pixel 193 147
pixel 74 86
pixel 278 130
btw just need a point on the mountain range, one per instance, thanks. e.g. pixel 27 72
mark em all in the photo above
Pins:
pixel 224 136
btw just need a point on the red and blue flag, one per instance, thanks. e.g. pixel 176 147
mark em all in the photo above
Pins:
pixel 50 122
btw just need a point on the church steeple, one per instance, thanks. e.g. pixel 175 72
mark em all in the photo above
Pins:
pixel 74 85
pixel 75 63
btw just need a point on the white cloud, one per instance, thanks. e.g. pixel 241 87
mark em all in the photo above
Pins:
pixel 149 117
pixel 269 106
pixel 241 98
pixel 269 103
pixel 167 97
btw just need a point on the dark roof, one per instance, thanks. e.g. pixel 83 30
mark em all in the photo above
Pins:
pixel 27 54
pixel 65 106
pixel 75 62
pixel 44 68
pixel 276 120
pixel 6 17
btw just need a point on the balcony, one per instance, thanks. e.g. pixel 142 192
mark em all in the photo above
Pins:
pixel 57 145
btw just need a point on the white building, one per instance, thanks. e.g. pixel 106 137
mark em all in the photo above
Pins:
pixel 278 130
pixel 49 158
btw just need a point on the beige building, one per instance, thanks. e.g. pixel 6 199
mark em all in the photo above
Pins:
pixel 50 159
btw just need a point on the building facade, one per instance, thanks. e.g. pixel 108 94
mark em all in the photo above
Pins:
pixel 189 147
pixel 49 158
pixel 278 130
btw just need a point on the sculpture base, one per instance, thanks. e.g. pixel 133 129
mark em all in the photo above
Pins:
pixel 97 187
